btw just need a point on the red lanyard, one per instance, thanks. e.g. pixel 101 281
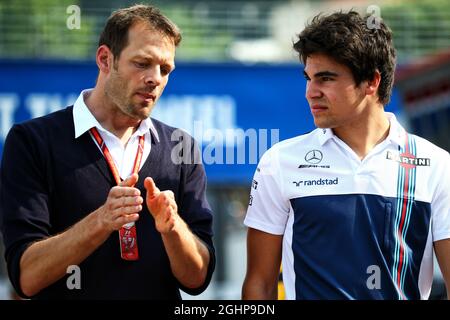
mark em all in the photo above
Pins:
pixel 127 234
pixel 109 159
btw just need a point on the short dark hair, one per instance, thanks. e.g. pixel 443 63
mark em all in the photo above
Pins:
pixel 115 33
pixel 347 38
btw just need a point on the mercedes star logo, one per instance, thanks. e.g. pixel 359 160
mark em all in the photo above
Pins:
pixel 314 156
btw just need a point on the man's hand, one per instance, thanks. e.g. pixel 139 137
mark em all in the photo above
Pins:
pixel 189 257
pixel 46 261
pixel 122 206
pixel 162 206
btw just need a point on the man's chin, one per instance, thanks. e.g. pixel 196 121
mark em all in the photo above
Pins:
pixel 323 123
pixel 143 112
pixel 140 111
pixel 141 115
pixel 320 124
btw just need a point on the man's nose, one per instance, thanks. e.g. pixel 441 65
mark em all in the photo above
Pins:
pixel 312 90
pixel 153 76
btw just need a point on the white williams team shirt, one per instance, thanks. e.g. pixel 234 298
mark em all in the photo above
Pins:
pixel 354 229
pixel 123 156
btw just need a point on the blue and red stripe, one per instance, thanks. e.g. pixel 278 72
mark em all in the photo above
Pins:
pixel 405 198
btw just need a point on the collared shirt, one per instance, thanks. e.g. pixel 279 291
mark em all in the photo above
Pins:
pixel 352 228
pixel 123 156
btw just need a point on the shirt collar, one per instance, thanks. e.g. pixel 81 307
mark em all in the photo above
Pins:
pixel 396 131
pixel 325 135
pixel 84 120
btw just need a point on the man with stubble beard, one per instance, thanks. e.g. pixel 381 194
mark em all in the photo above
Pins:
pixel 96 185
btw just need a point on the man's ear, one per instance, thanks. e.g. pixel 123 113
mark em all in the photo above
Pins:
pixel 373 84
pixel 104 59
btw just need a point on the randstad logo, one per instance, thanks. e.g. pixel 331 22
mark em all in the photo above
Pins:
pixel 318 182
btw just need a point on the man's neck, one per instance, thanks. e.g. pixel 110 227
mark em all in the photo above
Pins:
pixel 365 133
pixel 111 117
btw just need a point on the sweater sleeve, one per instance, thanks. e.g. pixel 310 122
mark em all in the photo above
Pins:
pixel 195 209
pixel 24 211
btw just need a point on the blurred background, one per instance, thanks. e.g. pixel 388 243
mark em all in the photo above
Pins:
pixel 238 87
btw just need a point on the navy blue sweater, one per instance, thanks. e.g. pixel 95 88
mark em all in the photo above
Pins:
pixel 50 181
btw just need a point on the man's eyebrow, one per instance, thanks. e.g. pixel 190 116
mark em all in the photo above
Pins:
pixel 325 74
pixel 322 74
pixel 141 56
pixel 149 58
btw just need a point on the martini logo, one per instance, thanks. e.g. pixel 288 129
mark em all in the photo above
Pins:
pixel 408 160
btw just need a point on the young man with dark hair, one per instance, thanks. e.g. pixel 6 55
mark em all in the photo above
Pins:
pixel 82 188
pixel 356 208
